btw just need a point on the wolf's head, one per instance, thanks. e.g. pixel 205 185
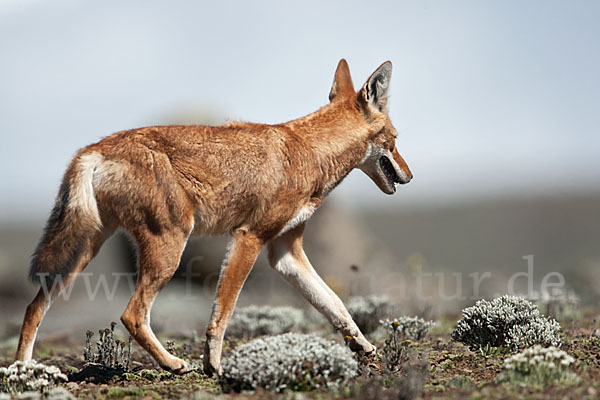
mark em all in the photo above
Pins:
pixel 381 162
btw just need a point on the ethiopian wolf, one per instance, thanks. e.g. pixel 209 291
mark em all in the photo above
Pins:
pixel 259 183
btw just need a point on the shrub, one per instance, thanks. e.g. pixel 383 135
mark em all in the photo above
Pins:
pixel 367 311
pixel 509 322
pixel 411 328
pixel 23 376
pixel 289 361
pixel 558 303
pixel 407 386
pixel 538 366
pixel 255 321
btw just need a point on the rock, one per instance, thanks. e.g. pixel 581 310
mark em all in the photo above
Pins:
pixel 73 385
pixel 95 373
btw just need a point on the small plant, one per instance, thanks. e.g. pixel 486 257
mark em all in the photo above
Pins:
pixel 508 321
pixel 289 361
pixel 538 366
pixel 252 321
pixel 394 354
pixel 401 333
pixel 488 350
pixel 367 311
pixel 112 357
pixel 170 346
pixel 111 352
pixel 411 328
pixel 23 376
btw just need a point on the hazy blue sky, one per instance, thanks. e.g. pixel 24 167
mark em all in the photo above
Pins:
pixel 490 98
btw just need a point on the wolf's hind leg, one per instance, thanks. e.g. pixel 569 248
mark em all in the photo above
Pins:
pixel 288 258
pixel 159 257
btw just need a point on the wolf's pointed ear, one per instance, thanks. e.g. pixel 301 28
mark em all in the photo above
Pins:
pixel 342 82
pixel 374 93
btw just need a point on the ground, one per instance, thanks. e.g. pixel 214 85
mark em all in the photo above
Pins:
pixel 437 367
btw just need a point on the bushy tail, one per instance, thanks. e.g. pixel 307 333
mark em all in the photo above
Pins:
pixel 72 223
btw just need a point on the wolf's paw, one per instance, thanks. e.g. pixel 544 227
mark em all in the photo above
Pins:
pixel 360 345
pixel 177 366
pixel 371 355
pixel 212 368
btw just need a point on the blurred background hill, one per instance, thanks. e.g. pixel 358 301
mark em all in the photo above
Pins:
pixel 496 105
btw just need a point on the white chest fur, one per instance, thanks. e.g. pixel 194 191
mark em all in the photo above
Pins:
pixel 304 214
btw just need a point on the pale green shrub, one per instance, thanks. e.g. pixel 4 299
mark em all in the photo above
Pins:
pixel 558 303
pixel 23 376
pixel 252 321
pixel 411 328
pixel 509 322
pixel 290 361
pixel 368 311
pixel 538 366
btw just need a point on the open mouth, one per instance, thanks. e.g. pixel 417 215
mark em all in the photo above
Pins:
pixel 388 170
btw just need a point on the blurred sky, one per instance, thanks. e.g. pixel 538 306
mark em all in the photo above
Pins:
pixel 490 98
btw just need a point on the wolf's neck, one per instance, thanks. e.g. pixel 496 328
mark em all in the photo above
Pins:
pixel 337 136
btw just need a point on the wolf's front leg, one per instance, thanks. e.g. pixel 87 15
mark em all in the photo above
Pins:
pixel 288 258
pixel 237 265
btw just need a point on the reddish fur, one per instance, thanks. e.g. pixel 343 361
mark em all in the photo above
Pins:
pixel 161 183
